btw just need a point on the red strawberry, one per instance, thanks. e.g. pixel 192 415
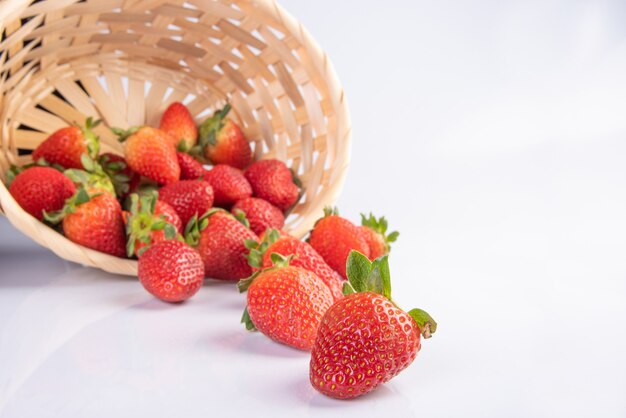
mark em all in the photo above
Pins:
pixel 334 237
pixel 171 270
pixel 303 256
pixel 150 153
pixel 124 179
pixel 94 221
pixel 39 189
pixel 188 198
pixel 149 221
pixel 286 303
pixel 364 339
pixel 374 231
pixel 221 241
pixel 271 180
pixel 66 146
pixel 260 213
pixel 223 142
pixel 228 183
pixel 190 169
pixel 178 122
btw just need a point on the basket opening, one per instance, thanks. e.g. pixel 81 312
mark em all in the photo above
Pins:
pixel 124 63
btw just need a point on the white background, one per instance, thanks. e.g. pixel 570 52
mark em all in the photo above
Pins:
pixel 492 135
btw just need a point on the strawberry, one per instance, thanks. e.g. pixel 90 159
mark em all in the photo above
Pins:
pixel 334 237
pixel 66 146
pixel 150 153
pixel 190 169
pixel 149 221
pixel 124 179
pixel 228 183
pixel 221 241
pixel 364 339
pixel 303 256
pixel 271 180
pixel 260 213
pixel 374 231
pixel 171 270
pixel 286 303
pixel 39 189
pixel 94 221
pixel 223 142
pixel 178 122
pixel 188 198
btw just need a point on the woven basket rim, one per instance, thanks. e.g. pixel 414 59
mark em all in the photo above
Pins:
pixel 14 9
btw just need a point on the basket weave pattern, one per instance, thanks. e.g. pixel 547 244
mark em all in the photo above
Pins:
pixel 125 61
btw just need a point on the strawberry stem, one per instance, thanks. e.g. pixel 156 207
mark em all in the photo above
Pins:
pixel 425 322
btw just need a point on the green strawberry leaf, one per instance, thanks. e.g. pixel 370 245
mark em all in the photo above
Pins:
pixel 425 322
pixel 241 217
pixel 88 163
pixel 130 247
pixel 142 250
pixel 182 146
pixel 279 260
pixel 244 284
pixel 347 289
pixel 367 276
pixel 245 319
pixel 124 134
pixel 331 210
pixel 251 244
pixel 158 226
pixel 358 269
pixel 170 231
pixel 258 249
pixel 91 139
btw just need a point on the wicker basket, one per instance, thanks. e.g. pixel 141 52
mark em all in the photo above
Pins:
pixel 125 61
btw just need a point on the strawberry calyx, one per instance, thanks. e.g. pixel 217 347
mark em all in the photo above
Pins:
pixel 379 225
pixel 91 139
pixel 258 249
pixel 80 197
pixel 241 217
pixel 93 177
pixel 278 261
pixel 124 134
pixel 373 276
pixel 330 211
pixel 210 128
pixel 115 171
pixel 141 221
pixel 197 224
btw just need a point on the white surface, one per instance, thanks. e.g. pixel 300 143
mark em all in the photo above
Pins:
pixel 492 135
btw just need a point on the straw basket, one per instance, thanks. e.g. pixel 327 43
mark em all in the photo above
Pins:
pixel 125 61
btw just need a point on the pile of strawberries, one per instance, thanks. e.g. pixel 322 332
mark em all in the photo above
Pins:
pixel 158 202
